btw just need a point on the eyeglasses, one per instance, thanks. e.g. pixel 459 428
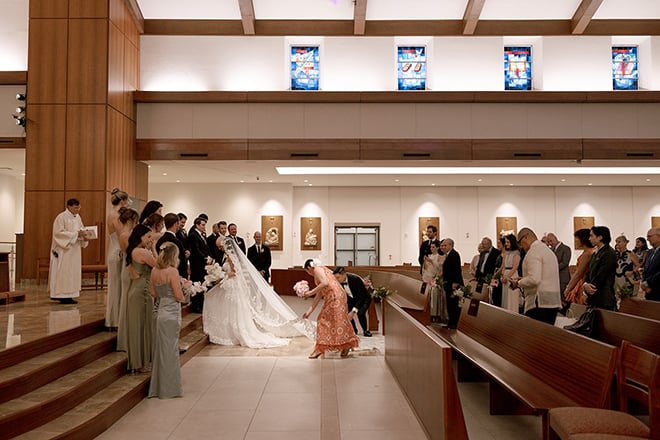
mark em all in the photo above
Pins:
pixel 523 236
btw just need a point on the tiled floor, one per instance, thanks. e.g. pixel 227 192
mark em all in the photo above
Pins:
pixel 240 393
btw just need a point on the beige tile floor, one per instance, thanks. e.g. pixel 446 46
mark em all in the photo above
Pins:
pixel 241 393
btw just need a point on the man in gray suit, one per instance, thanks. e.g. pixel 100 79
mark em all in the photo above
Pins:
pixel 563 254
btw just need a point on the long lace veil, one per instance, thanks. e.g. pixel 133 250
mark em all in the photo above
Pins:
pixel 269 311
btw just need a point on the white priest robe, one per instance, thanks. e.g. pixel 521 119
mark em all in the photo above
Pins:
pixel 64 277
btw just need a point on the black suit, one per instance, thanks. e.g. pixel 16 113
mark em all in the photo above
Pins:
pixel 260 260
pixel 602 268
pixel 360 300
pixel 213 249
pixel 452 274
pixel 652 274
pixel 169 237
pixel 182 235
pixel 491 264
pixel 199 251
pixel 239 241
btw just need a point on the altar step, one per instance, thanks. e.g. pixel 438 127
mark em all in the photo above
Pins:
pixel 73 385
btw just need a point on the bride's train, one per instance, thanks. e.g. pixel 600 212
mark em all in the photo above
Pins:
pixel 245 310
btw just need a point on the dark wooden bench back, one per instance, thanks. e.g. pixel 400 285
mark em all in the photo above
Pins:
pixel 564 360
pixel 614 327
pixel 641 307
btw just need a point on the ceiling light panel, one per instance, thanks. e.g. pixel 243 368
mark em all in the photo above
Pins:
pixel 416 10
pixel 526 10
pixel 190 9
pixel 628 9
pixel 303 9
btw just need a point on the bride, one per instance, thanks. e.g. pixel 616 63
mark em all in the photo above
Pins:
pixel 244 310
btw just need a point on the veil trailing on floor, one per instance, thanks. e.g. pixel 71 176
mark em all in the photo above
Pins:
pixel 268 311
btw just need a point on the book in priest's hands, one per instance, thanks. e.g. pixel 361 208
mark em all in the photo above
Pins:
pixel 91 232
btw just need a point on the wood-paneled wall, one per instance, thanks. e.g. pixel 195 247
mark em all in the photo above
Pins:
pixel 83 64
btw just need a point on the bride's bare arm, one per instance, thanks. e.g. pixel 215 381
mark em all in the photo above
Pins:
pixel 232 271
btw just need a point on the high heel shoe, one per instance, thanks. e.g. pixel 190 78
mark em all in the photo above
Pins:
pixel 316 354
pixel 344 352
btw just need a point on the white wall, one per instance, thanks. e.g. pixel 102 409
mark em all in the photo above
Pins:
pixel 11 213
pixel 8 104
pixel 466 213
pixel 580 63
pixel 14 35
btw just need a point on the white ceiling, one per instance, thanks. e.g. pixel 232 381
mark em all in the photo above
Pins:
pixel 394 9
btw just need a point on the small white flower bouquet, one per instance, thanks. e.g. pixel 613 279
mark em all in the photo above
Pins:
pixel 214 275
pixel 301 288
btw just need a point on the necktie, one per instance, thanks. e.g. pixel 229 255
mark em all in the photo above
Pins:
pixel 259 249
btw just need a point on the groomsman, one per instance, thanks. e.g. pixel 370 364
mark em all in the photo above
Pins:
pixel 199 251
pixel 232 233
pixel 172 226
pixel 211 240
pixel 425 248
pixel 563 254
pixel 357 297
pixel 181 233
pixel 259 256
pixel 452 276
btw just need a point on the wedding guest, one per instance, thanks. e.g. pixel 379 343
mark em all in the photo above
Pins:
pixel 425 247
pixel 452 276
pixel 66 254
pixel 128 217
pixel 139 326
pixel 509 271
pixel 232 229
pixel 165 287
pixel 259 256
pixel 474 264
pixel 599 280
pixel 358 299
pixel 651 271
pixel 573 290
pixel 119 200
pixel 487 265
pixel 333 331
pixel 152 206
pixel 626 261
pixel 199 252
pixel 156 223
pixel 172 225
pixel 211 240
pixel 641 249
pixel 540 279
pixel 563 254
pixel 431 271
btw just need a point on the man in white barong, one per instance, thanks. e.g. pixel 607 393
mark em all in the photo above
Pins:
pixel 66 254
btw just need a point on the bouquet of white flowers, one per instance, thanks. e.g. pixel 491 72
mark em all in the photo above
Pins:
pixel 214 274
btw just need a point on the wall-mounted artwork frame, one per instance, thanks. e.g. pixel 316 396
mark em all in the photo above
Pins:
pixel 424 222
pixel 505 226
pixel 518 68
pixel 305 67
pixel 310 233
pixel 581 223
pixel 411 67
pixel 655 222
pixel 625 71
pixel 272 231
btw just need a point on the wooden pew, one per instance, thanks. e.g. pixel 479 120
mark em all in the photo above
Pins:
pixel 613 327
pixel 422 364
pixel 531 366
pixel 641 307
pixel 411 295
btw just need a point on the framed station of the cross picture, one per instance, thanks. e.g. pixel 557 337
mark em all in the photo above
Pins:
pixel 310 233
pixel 271 231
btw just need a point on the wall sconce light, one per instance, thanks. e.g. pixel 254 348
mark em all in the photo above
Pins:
pixel 21 97
pixel 20 110
pixel 20 120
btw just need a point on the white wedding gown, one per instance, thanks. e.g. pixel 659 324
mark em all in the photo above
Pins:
pixel 245 310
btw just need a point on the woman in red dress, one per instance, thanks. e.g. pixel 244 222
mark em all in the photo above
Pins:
pixel 333 330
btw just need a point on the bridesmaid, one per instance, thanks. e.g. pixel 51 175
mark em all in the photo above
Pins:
pixel 119 199
pixel 128 217
pixel 166 289
pixel 140 255
pixel 333 330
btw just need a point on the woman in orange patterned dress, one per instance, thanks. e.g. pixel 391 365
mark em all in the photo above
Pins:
pixel 573 291
pixel 333 330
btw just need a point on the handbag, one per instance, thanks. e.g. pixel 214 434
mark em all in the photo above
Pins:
pixel 585 325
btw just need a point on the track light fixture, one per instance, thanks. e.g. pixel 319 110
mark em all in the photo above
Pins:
pixel 20 120
pixel 21 97
pixel 20 109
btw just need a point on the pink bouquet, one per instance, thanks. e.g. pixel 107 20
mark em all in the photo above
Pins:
pixel 301 288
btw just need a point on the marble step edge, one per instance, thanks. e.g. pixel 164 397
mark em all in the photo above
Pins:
pixel 54 399
pixel 37 372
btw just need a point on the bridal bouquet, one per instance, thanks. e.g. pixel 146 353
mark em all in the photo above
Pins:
pixel 191 289
pixel 301 288
pixel 462 292
pixel 214 274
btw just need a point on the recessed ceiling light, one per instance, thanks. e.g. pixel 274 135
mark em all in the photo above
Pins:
pixel 178 181
pixel 164 174
pixel 433 184
pixel 648 180
pixel 242 181
pixel 305 180
pixel 563 180
pixel 22 174
pixel 468 170
pixel 590 184
pixel 396 180
pixel 309 184
pixel 510 184
pixel 270 181
pixel 480 180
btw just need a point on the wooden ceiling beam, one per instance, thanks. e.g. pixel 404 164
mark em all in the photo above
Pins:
pixel 583 15
pixel 471 15
pixel 247 16
pixel 359 17
pixel 389 28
